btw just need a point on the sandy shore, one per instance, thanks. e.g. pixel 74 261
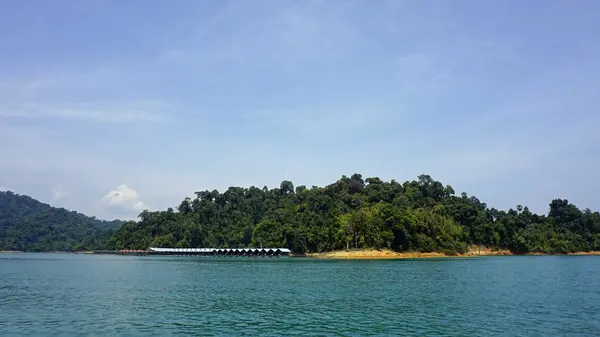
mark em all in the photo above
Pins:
pixel 389 254
pixel 585 253
pixel 9 251
pixel 372 254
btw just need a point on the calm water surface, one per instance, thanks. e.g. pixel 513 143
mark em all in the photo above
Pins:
pixel 62 294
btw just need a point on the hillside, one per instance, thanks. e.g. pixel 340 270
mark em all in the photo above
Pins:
pixel 421 215
pixel 29 225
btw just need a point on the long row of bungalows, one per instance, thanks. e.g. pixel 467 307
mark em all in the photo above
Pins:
pixel 222 251
pixel 201 251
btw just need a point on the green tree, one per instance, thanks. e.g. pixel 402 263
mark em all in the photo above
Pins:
pixel 419 215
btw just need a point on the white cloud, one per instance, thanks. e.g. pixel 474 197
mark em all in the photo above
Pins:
pixel 125 197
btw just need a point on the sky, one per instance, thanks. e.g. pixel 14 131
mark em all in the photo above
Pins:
pixel 112 107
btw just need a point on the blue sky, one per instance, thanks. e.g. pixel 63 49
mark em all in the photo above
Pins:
pixel 157 99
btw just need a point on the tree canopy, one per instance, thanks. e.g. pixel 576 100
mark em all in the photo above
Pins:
pixel 29 225
pixel 421 215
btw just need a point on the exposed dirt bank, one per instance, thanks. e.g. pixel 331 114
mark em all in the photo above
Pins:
pixel 389 254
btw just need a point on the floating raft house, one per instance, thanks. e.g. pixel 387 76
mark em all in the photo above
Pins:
pixel 222 251
pixel 202 251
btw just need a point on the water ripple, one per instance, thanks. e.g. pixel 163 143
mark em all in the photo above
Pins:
pixel 130 296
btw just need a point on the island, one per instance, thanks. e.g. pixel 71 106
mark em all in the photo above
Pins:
pixel 349 218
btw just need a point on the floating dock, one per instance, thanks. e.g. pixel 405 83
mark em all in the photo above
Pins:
pixel 201 251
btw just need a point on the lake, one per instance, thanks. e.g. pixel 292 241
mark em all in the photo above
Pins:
pixel 68 294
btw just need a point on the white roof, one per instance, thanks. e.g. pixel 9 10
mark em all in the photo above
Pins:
pixel 209 250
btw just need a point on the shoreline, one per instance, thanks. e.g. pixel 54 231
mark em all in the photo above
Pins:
pixel 378 254
pixel 375 254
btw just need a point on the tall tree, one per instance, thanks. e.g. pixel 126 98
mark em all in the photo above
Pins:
pixel 418 215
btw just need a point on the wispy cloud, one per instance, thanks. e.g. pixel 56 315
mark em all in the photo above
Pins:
pixel 320 119
pixel 137 111
pixel 266 32
pixel 95 95
pixel 37 83
pixel 59 193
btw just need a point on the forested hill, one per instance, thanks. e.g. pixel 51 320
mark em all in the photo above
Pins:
pixel 29 225
pixel 422 215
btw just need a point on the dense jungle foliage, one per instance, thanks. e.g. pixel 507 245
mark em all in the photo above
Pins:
pixel 421 215
pixel 29 225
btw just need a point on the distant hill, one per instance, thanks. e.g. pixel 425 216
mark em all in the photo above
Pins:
pixel 30 225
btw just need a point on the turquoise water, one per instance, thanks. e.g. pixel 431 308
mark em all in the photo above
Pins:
pixel 62 294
